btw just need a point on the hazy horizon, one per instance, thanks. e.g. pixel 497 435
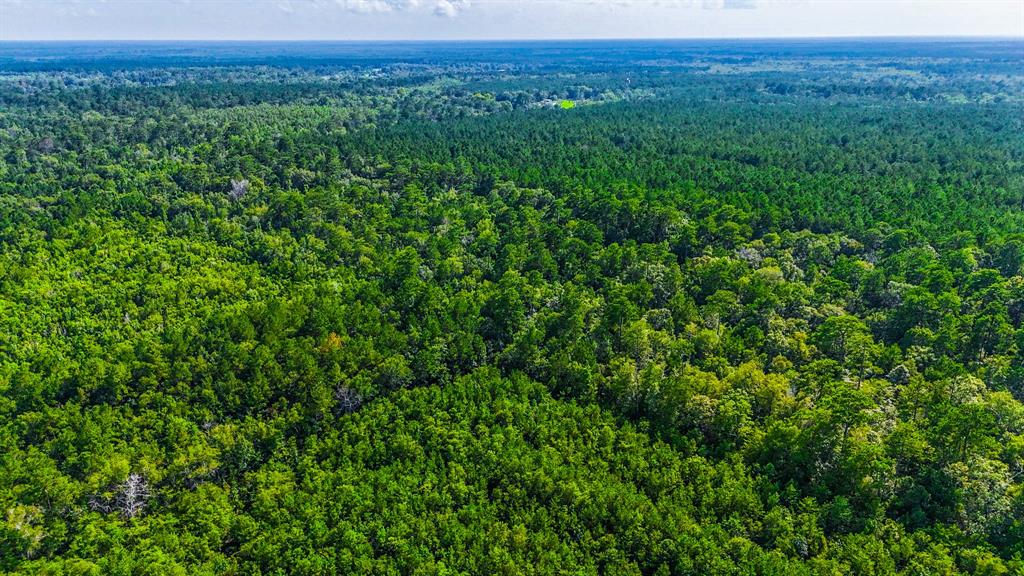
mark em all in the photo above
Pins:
pixel 503 20
pixel 910 38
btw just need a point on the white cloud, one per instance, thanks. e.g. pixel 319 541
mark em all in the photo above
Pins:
pixel 709 4
pixel 373 6
pixel 286 6
pixel 450 8
pixel 445 8
pixel 739 4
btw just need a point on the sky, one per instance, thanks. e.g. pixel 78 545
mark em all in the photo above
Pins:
pixel 501 19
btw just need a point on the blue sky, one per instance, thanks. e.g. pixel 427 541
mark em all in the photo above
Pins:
pixel 483 19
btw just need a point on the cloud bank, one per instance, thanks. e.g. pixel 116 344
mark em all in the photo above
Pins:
pixel 490 19
pixel 453 8
pixel 444 8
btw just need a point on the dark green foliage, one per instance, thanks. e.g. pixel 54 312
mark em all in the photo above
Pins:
pixel 415 319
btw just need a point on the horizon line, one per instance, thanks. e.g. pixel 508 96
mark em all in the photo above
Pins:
pixel 984 37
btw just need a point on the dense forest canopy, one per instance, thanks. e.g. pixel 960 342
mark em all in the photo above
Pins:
pixel 512 308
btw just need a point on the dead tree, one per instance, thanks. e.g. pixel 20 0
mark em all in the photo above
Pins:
pixel 133 496
pixel 239 188
pixel 129 497
pixel 348 400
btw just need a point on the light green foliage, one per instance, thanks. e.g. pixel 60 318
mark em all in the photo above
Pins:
pixel 412 320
